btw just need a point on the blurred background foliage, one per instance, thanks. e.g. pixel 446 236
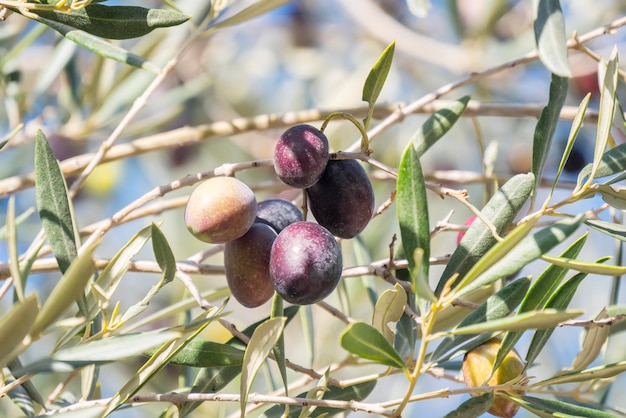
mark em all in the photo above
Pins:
pixel 308 54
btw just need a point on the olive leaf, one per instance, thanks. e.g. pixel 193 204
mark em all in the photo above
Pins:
pixel 114 22
pixel 549 27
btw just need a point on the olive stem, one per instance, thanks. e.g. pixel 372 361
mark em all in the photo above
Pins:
pixel 365 142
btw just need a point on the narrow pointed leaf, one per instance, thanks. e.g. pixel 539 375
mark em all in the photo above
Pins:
pixel 202 353
pixel 501 209
pixel 101 47
pixel 161 358
pixel 115 22
pixel 15 325
pixel 376 79
pixel 615 198
pixel 213 379
pixel 163 254
pixel 609 228
pixel 290 313
pixel 118 266
pixel 542 288
pixel 20 398
pixel 261 343
pixel 559 408
pixel 365 341
pixel 549 27
pixel 474 407
pixel 98 352
pixel 412 209
pixel 612 162
pixel 256 9
pixel 355 393
pixel 546 125
pixel 585 267
pixel 496 253
pixel 573 134
pixel 437 125
pixel 595 339
pixel 53 204
pixel 279 349
pixel 210 379
pixel 19 279
pixel 529 249
pixel 389 308
pixel 605 371
pixel 606 112
pixel 559 300
pixel 498 306
pixel 67 290
pixel 546 318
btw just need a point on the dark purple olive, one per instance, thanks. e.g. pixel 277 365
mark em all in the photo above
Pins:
pixel 277 213
pixel 343 199
pixel 247 265
pixel 301 155
pixel 305 263
pixel 220 210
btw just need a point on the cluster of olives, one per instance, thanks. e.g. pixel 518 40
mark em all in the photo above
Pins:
pixel 268 246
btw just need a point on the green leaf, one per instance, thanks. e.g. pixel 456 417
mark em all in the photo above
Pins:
pixel 501 209
pixel 549 27
pixel 162 357
pixel 585 267
pixel 548 120
pixel 256 9
pixel 118 266
pixel 559 300
pixel 20 397
pixel 606 112
pixel 438 124
pixel 67 290
pixel 389 308
pixel 19 278
pixel 615 198
pixel 412 209
pixel 365 341
pixel 115 22
pixel 355 393
pixel 279 349
pixel 473 407
pixel 101 47
pixel 290 313
pixel 376 80
pixel 556 408
pixel 612 162
pixel 595 339
pixel 573 134
pixel 615 310
pixel 609 228
pixel 211 379
pixel 163 254
pixel 261 343
pixel 541 290
pixel 605 371
pixel 53 204
pixel 15 325
pixel 498 306
pixel 528 249
pixel 546 318
pixel 115 348
pixel 202 353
